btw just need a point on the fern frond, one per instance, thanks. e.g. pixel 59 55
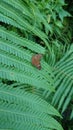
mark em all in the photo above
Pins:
pixel 13 37
pixel 21 53
pixel 19 5
pixel 12 54
pixel 14 94
pixel 30 10
pixel 15 49
pixel 7 20
pixel 14 74
pixel 17 16
pixel 18 106
pixel 64 80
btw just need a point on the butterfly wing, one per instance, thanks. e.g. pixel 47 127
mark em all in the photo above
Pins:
pixel 36 61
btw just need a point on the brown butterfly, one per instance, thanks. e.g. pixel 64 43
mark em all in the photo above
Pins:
pixel 36 60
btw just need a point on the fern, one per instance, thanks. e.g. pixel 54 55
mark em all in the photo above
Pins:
pixel 12 36
pixel 17 19
pixel 19 108
pixel 13 56
pixel 64 81
pixel 25 25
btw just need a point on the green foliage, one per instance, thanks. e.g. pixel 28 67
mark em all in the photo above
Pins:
pixel 64 81
pixel 16 61
pixel 20 109
pixel 28 95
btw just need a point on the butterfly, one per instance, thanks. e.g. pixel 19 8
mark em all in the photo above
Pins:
pixel 36 60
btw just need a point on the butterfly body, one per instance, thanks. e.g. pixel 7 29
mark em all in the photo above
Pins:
pixel 36 61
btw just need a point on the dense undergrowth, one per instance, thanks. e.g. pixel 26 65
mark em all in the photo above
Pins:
pixel 33 99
